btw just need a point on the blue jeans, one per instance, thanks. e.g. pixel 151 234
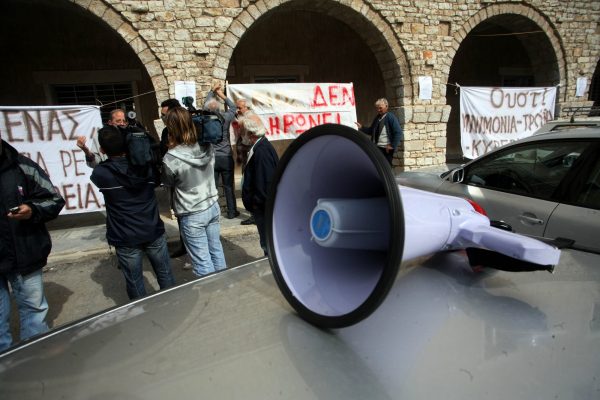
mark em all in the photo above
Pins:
pixel 130 260
pixel 201 233
pixel 33 307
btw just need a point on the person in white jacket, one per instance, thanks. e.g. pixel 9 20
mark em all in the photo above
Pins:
pixel 188 167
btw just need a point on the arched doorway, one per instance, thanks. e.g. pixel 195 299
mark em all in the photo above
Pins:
pixel 506 50
pixel 307 41
pixel 57 53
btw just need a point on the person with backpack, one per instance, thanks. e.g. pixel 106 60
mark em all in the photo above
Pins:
pixel 133 224
pixel 188 167
pixel 95 157
pixel 224 165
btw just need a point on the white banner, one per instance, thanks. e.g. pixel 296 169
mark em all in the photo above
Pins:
pixel 492 117
pixel 48 136
pixel 288 109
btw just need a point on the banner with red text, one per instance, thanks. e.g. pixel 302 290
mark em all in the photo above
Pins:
pixel 492 117
pixel 48 136
pixel 288 109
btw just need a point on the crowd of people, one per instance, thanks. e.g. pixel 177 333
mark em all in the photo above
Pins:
pixel 191 168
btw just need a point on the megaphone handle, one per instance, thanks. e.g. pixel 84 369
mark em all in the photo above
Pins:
pixel 512 245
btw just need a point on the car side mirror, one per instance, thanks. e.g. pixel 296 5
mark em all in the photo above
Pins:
pixel 457 175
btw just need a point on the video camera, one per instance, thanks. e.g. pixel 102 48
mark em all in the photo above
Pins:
pixel 209 125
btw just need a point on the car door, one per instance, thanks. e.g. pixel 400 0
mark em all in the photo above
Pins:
pixel 516 184
pixel 577 217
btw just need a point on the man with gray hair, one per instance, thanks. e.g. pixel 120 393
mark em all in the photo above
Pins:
pixel 385 130
pixel 258 174
pixel 224 166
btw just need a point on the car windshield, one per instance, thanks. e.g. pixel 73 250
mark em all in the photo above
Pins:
pixel 534 169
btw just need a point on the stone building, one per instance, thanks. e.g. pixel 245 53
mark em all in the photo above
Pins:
pixel 102 51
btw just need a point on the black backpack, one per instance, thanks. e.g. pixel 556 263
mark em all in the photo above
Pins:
pixel 142 149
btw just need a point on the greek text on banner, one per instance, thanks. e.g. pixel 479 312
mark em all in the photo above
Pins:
pixel 48 136
pixel 288 109
pixel 492 117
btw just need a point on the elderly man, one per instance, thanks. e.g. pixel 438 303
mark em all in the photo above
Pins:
pixel 385 130
pixel 224 166
pixel 258 174
pixel 93 158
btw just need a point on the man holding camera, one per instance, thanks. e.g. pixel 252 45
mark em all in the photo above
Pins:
pixel 27 201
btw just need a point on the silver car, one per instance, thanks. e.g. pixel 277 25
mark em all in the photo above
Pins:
pixel 547 185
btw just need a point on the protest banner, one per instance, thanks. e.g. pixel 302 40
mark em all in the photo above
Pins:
pixel 288 109
pixel 48 136
pixel 492 117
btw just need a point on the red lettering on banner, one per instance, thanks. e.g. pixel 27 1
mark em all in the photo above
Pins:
pixel 336 96
pixel 274 125
pixel 347 96
pixel 298 123
pixel 90 197
pixel 333 95
pixel 318 98
pixel 288 121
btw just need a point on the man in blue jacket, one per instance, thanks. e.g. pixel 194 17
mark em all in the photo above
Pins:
pixel 133 224
pixel 27 200
pixel 385 131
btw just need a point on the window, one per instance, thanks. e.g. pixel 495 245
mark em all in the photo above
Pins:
pixel 96 94
pixel 534 170
pixel 589 195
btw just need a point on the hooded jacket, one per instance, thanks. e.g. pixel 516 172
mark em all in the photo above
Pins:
pixel 132 216
pixel 25 244
pixel 189 169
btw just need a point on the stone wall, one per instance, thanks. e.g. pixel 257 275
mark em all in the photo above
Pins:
pixel 195 39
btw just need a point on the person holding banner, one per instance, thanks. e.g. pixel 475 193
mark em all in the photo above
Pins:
pixel 27 201
pixel 223 154
pixel 133 224
pixel 188 167
pixel 93 158
pixel 385 130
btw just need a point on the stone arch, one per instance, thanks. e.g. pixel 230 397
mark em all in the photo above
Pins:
pixel 372 28
pixel 524 11
pixel 131 36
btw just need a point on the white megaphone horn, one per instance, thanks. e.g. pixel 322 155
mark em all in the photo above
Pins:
pixel 339 226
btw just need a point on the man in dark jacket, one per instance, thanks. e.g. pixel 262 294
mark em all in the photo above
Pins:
pixel 258 174
pixel 133 224
pixel 385 131
pixel 27 200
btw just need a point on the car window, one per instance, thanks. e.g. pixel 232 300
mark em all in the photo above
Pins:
pixel 589 195
pixel 534 169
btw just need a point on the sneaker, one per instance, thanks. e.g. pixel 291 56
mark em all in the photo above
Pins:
pixel 232 216
pixel 248 221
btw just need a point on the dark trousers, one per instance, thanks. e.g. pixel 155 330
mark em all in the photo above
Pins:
pixel 259 217
pixel 224 171
pixel 389 155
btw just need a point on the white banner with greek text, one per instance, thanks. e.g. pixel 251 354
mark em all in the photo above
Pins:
pixel 288 109
pixel 492 117
pixel 48 136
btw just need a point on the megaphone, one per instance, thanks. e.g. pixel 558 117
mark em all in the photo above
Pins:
pixel 338 227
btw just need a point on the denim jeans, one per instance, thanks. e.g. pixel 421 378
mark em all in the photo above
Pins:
pixel 28 291
pixel 130 260
pixel 201 231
